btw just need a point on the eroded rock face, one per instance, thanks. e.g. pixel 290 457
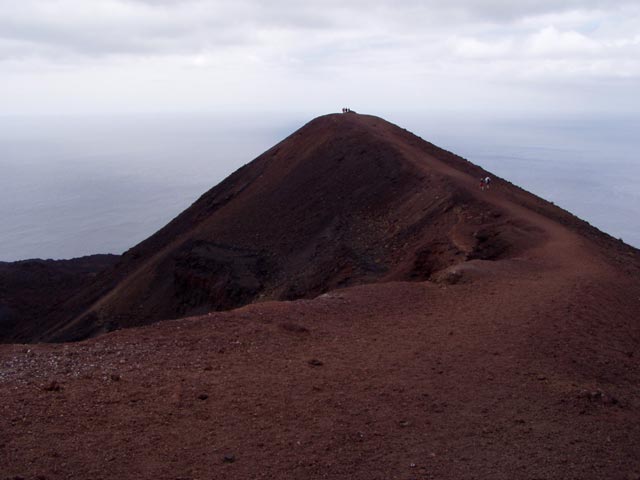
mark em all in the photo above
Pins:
pixel 217 276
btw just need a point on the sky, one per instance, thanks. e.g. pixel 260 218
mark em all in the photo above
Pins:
pixel 487 57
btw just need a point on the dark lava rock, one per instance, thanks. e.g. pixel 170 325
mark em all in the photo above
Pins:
pixel 229 458
pixel 292 327
pixel 203 396
pixel 314 362
pixel 52 386
pixel 598 396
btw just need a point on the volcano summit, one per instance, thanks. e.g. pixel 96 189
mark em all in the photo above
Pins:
pixel 358 308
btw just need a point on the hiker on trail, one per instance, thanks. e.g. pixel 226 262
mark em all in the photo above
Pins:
pixel 481 183
pixel 487 182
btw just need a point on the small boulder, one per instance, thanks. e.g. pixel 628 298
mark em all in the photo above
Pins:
pixel 52 386
pixel 294 327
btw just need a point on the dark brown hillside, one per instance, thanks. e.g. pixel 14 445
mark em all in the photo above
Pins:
pixel 345 200
pixel 32 291
pixel 340 202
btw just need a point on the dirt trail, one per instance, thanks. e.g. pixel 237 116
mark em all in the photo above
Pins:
pixel 563 247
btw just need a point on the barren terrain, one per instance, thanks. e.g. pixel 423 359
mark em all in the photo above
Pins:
pixel 464 334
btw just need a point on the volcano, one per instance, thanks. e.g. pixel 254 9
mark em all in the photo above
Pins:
pixel 350 304
pixel 346 200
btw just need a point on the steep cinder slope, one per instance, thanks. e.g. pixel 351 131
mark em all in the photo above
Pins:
pixel 345 200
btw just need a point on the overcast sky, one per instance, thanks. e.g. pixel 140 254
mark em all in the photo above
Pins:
pixel 498 56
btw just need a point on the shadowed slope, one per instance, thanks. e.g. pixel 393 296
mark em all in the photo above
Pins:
pixel 31 291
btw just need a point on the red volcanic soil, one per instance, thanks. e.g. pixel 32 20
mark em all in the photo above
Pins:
pixel 513 353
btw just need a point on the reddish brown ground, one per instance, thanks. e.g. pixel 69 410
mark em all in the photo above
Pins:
pixel 524 366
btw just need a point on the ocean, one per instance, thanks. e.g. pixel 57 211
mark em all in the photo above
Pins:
pixel 74 186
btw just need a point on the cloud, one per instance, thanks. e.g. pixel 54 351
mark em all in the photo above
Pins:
pixel 551 42
pixel 203 51
pixel 508 11
pixel 100 27
pixel 474 48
